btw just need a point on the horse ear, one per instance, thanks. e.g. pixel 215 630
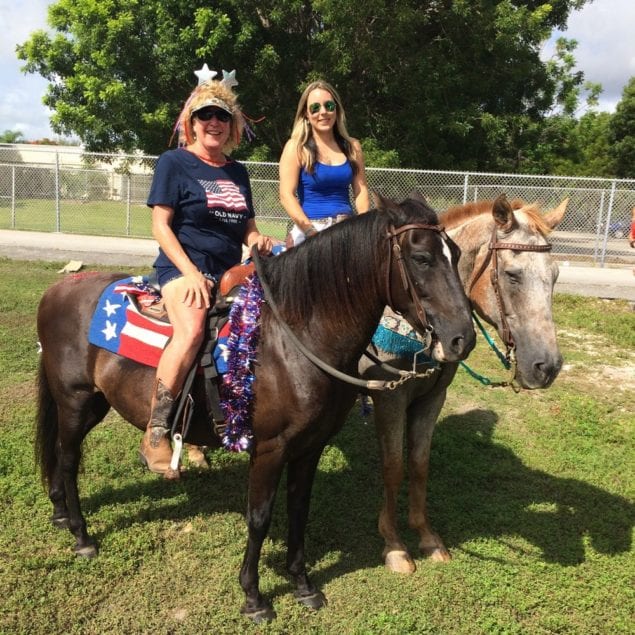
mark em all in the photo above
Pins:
pixel 381 202
pixel 502 213
pixel 416 195
pixel 554 217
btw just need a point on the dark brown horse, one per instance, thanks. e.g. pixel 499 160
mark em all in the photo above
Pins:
pixel 509 275
pixel 330 292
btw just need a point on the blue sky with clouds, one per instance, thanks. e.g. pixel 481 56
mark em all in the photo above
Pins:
pixel 605 53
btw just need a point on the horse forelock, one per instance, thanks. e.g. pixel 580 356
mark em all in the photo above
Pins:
pixel 534 220
pixel 458 215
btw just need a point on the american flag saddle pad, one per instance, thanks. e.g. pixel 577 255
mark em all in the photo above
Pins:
pixel 118 326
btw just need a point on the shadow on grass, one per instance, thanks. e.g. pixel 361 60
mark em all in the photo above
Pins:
pixel 478 489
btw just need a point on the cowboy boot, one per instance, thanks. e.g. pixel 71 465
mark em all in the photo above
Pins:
pixel 155 451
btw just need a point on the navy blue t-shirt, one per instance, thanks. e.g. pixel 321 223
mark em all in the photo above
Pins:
pixel 211 208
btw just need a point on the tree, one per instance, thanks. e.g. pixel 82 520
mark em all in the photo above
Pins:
pixel 11 136
pixel 438 83
pixel 622 133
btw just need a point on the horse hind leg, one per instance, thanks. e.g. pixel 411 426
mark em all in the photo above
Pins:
pixel 389 415
pixel 76 418
pixel 422 418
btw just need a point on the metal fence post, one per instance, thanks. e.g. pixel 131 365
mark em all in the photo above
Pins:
pixel 128 218
pixel 608 223
pixel 58 213
pixel 598 226
pixel 466 181
pixel 13 197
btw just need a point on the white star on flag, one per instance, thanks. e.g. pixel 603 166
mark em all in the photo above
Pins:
pixel 110 331
pixel 204 74
pixel 111 309
pixel 224 351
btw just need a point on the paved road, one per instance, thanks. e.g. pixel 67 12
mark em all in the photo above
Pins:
pixel 614 282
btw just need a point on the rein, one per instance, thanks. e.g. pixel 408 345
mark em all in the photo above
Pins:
pixel 394 250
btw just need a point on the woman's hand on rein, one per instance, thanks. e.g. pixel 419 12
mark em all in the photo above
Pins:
pixel 197 290
pixel 264 244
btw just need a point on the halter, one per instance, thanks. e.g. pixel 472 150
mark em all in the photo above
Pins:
pixel 492 254
pixel 394 250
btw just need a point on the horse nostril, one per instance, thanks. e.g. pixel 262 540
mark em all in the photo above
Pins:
pixel 458 344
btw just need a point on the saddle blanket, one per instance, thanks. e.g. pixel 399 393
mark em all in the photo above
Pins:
pixel 119 327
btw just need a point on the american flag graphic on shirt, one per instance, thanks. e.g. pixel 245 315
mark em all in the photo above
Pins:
pixel 225 194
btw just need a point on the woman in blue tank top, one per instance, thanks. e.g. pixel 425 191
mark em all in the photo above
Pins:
pixel 319 165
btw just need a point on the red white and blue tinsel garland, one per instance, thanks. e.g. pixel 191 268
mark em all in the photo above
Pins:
pixel 237 387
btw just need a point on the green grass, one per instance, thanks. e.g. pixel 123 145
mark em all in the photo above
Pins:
pixel 532 493
pixel 101 218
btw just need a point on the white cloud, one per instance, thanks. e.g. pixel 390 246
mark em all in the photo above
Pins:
pixel 606 45
pixel 21 106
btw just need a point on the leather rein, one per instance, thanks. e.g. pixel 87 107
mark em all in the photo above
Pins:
pixel 492 254
pixel 394 252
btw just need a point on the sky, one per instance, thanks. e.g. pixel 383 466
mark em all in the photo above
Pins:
pixel 603 29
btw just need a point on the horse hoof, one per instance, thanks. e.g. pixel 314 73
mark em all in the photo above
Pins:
pixel 61 522
pixel 399 562
pixel 437 554
pixel 315 600
pixel 87 551
pixel 260 615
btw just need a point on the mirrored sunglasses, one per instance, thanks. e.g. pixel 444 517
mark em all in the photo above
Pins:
pixel 207 114
pixel 329 106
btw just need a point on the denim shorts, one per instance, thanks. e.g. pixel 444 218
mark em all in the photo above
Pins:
pixel 169 273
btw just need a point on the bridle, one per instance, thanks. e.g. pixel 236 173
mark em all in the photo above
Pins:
pixel 394 252
pixel 492 254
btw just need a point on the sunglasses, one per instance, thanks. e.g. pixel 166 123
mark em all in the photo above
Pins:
pixel 207 114
pixel 329 106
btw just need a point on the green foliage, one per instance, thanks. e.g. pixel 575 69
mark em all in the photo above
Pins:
pixel 11 136
pixel 622 133
pixel 456 85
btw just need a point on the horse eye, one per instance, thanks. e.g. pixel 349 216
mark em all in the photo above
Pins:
pixel 424 260
pixel 514 275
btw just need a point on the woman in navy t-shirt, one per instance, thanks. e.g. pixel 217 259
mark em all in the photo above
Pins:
pixel 319 165
pixel 202 214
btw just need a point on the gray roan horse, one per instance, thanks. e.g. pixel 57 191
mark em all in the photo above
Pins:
pixel 509 276
pixel 330 293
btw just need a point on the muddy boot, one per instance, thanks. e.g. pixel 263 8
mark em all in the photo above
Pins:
pixel 195 456
pixel 156 452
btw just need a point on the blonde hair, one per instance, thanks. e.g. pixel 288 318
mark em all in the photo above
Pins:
pixel 211 93
pixel 302 134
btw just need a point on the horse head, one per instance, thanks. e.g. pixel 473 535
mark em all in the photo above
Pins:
pixel 510 275
pixel 422 281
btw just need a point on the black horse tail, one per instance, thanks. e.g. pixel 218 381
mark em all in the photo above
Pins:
pixel 46 428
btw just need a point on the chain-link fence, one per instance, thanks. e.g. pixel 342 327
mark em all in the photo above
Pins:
pixel 61 189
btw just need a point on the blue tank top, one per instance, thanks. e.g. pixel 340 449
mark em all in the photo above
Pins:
pixel 325 192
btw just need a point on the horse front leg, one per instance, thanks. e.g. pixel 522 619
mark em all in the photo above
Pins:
pixel 264 476
pixel 390 420
pixel 422 417
pixel 300 477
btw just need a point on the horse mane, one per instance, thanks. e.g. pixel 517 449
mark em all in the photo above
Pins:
pixel 460 214
pixel 335 272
